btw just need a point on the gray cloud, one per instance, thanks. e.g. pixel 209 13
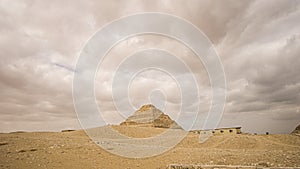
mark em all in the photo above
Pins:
pixel 258 43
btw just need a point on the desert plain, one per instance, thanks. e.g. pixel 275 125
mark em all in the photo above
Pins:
pixel 74 149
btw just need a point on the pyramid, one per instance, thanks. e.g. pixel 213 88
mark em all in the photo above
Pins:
pixel 149 116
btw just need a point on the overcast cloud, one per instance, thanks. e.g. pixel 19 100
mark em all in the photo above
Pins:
pixel 257 41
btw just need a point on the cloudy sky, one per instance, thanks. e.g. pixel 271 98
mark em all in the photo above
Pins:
pixel 258 43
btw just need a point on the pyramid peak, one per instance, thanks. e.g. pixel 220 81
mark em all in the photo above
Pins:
pixel 146 107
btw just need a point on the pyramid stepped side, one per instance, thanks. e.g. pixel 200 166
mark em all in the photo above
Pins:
pixel 145 116
pixel 163 121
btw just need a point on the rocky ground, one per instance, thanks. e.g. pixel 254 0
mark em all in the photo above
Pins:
pixel 75 150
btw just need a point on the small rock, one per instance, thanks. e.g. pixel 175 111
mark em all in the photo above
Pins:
pixel 263 164
pixel 21 151
pixel 33 149
pixel 3 143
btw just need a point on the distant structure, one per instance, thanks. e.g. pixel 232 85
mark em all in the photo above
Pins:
pixel 296 131
pixel 228 130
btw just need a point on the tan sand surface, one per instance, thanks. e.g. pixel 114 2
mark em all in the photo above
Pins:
pixel 75 150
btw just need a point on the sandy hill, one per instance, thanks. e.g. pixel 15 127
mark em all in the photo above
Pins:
pixel 149 116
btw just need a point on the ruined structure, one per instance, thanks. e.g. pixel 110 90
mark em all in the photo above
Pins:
pixel 229 130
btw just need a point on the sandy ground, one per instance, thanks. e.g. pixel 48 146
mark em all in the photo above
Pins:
pixel 75 150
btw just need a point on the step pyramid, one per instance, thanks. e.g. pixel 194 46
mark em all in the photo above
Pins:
pixel 149 116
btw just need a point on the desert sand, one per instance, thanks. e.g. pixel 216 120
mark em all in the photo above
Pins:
pixel 75 149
